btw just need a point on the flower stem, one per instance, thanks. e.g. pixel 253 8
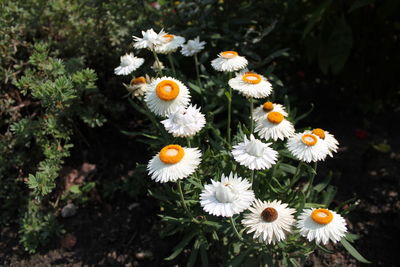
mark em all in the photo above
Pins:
pixel 171 62
pixel 235 230
pixel 183 202
pixel 228 127
pixel 196 62
pixel 188 142
pixel 296 174
pixel 251 115
pixel 310 183
pixel 158 63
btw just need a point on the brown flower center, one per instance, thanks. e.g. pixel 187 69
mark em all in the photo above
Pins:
pixel 269 214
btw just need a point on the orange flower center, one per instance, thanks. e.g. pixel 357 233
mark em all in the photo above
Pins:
pixel 269 214
pixel 167 90
pixel 268 106
pixel 322 216
pixel 138 80
pixel 319 132
pixel 169 37
pixel 229 54
pixel 171 154
pixel 275 117
pixel 309 139
pixel 252 78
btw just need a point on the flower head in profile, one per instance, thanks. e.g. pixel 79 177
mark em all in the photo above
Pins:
pixel 192 47
pixel 149 39
pixel 229 61
pixel 262 111
pixel 270 221
pixel 165 95
pixel 251 84
pixel 328 139
pixel 184 122
pixel 138 86
pixel 274 126
pixel 321 225
pixel 254 154
pixel 174 162
pixel 171 44
pixel 128 64
pixel 227 197
pixel 307 147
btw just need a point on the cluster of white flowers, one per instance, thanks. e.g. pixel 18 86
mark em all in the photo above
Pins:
pixel 168 97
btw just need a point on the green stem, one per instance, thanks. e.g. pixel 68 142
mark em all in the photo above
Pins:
pixel 228 127
pixel 183 202
pixel 158 63
pixel 296 174
pixel 235 230
pixel 310 183
pixel 251 115
pixel 171 62
pixel 188 142
pixel 196 62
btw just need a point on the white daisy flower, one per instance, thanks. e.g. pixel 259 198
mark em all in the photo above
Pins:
pixel 274 126
pixel 307 147
pixel 229 61
pixel 227 197
pixel 165 95
pixel 128 64
pixel 269 220
pixel 138 86
pixel 171 44
pixel 251 84
pixel 321 225
pixel 174 162
pixel 149 40
pixel 328 139
pixel 192 47
pixel 184 122
pixel 262 111
pixel 254 154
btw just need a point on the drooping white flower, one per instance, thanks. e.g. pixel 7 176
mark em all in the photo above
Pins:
pixel 251 84
pixel 128 64
pixel 171 44
pixel 229 61
pixel 328 139
pixel 149 40
pixel 192 47
pixel 270 221
pixel 157 66
pixel 184 122
pixel 307 147
pixel 274 126
pixel 227 197
pixel 138 86
pixel 262 111
pixel 166 95
pixel 254 154
pixel 174 162
pixel 322 225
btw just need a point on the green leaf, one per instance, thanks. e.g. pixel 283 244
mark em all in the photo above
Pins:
pixel 329 195
pixel 75 189
pixel 316 16
pixel 204 256
pixel 353 252
pixel 193 255
pixel 178 249
pixel 351 237
pixel 237 261
pixel 359 3
pixel 321 186
pixel 196 88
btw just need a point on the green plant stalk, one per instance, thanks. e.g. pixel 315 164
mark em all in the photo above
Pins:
pixel 296 174
pixel 171 62
pixel 252 179
pixel 196 63
pixel 235 230
pixel 228 126
pixel 188 142
pixel 159 70
pixel 183 202
pixel 251 115
pixel 310 183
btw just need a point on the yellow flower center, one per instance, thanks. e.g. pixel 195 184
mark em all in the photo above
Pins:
pixel 138 80
pixel 169 37
pixel 171 154
pixel 268 106
pixel 269 214
pixel 275 117
pixel 319 132
pixel 309 139
pixel 322 216
pixel 252 78
pixel 167 90
pixel 229 54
